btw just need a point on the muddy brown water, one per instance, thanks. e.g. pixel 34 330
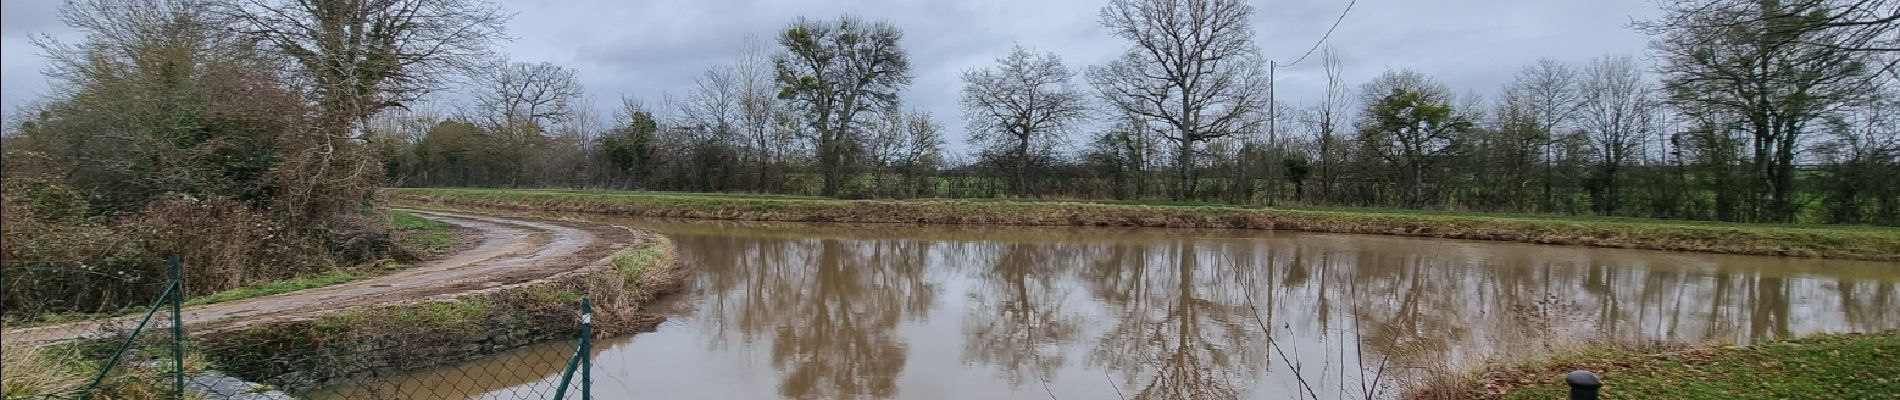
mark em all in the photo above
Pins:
pixel 821 311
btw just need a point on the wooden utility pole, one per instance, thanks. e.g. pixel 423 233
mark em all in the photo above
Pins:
pixel 1273 113
pixel 1273 132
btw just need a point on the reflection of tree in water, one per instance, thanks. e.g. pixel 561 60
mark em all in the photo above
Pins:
pixel 1412 311
pixel 731 281
pixel 1768 312
pixel 1179 323
pixel 1016 321
pixel 829 306
pixel 1183 330
pixel 1869 306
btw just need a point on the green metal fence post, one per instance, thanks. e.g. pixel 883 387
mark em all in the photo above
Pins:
pixel 178 329
pixel 580 360
pixel 129 338
pixel 587 350
pixel 567 375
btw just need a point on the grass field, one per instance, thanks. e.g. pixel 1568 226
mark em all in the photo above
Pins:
pixel 1847 366
pixel 1848 242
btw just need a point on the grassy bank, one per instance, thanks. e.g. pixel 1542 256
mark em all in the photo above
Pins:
pixel 1846 366
pixel 305 353
pixel 421 235
pixel 63 369
pixel 332 349
pixel 417 237
pixel 1849 242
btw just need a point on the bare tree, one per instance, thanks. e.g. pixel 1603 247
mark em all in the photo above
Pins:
pixel 1617 115
pixel 523 95
pixel 713 105
pixel 1027 101
pixel 883 145
pixel 394 137
pixel 1546 94
pixel 834 70
pixel 1329 109
pixel 1125 152
pixel 1733 61
pixel 923 151
pixel 907 143
pixel 1192 66
pixel 758 106
pixel 366 55
pixel 1874 25
pixel 520 101
pixel 586 125
pixel 1518 151
pixel 1863 161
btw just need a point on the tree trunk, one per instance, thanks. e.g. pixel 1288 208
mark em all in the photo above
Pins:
pixel 1022 165
pixel 829 160
pixel 1784 176
pixel 1550 174
pixel 1610 195
pixel 1184 170
pixel 1418 184
pixel 1326 163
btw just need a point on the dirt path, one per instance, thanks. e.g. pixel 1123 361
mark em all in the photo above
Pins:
pixel 511 251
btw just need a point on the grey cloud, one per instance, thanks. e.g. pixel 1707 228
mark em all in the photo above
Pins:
pixel 644 48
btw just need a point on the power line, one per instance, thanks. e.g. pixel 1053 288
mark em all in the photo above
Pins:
pixel 1328 35
pixel 1273 111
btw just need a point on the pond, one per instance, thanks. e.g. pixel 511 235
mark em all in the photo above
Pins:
pixel 820 311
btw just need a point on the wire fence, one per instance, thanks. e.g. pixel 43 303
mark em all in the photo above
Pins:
pixel 424 350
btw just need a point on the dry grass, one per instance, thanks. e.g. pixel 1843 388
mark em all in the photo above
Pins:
pixel 1496 377
pixel 62 371
pixel 28 372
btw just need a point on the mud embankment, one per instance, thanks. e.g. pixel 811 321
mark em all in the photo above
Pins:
pixel 1751 239
pixel 300 354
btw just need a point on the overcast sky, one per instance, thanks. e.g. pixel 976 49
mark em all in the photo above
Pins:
pixel 645 48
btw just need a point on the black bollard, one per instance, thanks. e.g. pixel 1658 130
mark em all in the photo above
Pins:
pixel 1583 385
